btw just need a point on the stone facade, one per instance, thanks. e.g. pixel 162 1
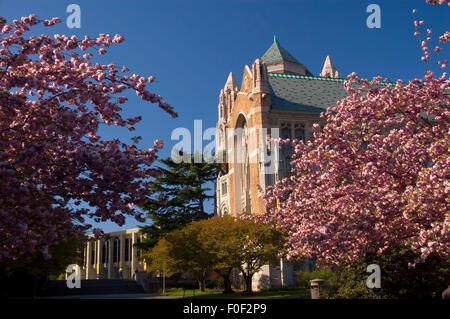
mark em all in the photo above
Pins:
pixel 105 256
pixel 277 92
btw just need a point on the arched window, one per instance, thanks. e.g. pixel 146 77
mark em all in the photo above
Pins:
pixel 286 130
pixel 242 190
pixel 224 188
pixel 286 134
pixel 300 132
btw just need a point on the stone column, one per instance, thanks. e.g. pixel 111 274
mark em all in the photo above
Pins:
pixel 88 258
pixel 287 273
pixel 122 253
pixel 110 257
pixel 99 255
pixel 83 265
pixel 133 253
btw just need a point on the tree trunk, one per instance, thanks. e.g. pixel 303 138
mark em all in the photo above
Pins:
pixel 248 284
pixel 227 281
pixel 201 277
pixel 202 285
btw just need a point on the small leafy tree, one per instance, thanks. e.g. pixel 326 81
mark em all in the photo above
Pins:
pixel 220 244
pixel 258 244
pixel 189 253
pixel 221 236
pixel 159 259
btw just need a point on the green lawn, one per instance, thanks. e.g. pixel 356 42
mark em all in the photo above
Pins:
pixel 189 292
pixel 217 294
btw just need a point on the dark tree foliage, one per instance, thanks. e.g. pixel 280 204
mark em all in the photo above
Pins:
pixel 178 198
pixel 26 276
pixel 398 280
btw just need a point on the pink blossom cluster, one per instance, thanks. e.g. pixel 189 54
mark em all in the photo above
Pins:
pixel 438 2
pixel 377 175
pixel 53 163
pixel 424 44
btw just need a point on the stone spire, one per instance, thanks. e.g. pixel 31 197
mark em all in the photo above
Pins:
pixel 260 79
pixel 227 97
pixel 231 83
pixel 329 70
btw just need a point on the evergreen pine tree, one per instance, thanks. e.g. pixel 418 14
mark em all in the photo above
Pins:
pixel 178 198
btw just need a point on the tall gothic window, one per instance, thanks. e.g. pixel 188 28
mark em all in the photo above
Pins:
pixel 300 132
pixel 242 190
pixel 285 132
pixel 224 188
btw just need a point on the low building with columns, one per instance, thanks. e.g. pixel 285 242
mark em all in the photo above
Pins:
pixel 103 257
pixel 278 97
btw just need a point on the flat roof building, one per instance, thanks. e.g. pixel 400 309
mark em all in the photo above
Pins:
pixel 103 257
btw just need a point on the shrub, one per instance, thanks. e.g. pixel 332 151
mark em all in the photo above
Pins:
pixel 304 277
pixel 398 280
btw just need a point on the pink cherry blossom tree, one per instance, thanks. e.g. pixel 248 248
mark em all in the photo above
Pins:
pixel 377 175
pixel 53 164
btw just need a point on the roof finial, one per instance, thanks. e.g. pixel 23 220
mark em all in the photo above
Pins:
pixel 329 70
pixel 275 38
pixel 231 83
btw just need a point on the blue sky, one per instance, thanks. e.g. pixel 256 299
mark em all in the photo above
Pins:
pixel 191 46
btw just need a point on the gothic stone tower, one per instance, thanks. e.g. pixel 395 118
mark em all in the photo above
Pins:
pixel 277 92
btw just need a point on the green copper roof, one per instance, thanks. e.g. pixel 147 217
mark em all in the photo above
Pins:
pixel 304 93
pixel 277 53
pixel 308 77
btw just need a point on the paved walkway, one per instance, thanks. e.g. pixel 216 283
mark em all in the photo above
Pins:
pixel 115 296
